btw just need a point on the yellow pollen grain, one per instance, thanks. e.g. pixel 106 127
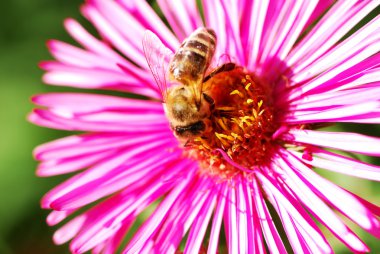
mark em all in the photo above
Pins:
pixel 237 92
pixel 235 120
pixel 198 139
pixel 260 103
pixel 224 136
pixel 249 101
pixel 221 124
pixel 219 136
pixel 236 136
pixel 245 119
pixel 247 86
pixel 254 112
pixel 203 144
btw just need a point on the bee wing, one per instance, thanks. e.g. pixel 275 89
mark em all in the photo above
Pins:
pixel 158 57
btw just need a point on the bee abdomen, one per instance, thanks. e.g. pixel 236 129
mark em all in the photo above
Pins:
pixel 201 41
pixel 193 57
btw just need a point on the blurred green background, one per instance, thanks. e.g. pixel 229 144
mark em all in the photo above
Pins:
pixel 25 26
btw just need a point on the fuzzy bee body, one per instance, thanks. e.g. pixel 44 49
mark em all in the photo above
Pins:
pixel 193 57
pixel 186 105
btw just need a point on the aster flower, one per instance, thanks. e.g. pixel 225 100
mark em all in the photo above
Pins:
pixel 253 169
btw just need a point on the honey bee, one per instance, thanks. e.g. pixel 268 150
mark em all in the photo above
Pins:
pixel 186 105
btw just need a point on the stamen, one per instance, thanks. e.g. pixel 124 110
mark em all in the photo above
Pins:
pixel 239 138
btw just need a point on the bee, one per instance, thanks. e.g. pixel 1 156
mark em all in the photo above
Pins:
pixel 186 105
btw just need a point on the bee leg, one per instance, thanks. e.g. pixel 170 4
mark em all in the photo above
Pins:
pixel 187 144
pixel 209 100
pixel 222 68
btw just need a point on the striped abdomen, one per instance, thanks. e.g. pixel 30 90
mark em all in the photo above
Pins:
pixel 191 60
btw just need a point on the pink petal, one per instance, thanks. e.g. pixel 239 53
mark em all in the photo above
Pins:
pixel 117 180
pixel 68 165
pixel 77 76
pixel 252 23
pixel 64 75
pixel 335 114
pixel 366 77
pixel 101 49
pixel 374 208
pixel 56 217
pixel 142 11
pixel 198 229
pixel 341 164
pixel 217 221
pixel 340 19
pixel 300 241
pixel 182 215
pixel 350 207
pixel 297 241
pixel 295 212
pixel 89 143
pixel 91 43
pixel 353 77
pixel 242 218
pixel 74 56
pixel 253 224
pixel 120 19
pixel 345 141
pixel 98 171
pixel 111 245
pixel 71 55
pixel 230 222
pixel 110 214
pixel 151 225
pixel 63 121
pixel 99 239
pixel 68 231
pixel 295 17
pixel 107 30
pixel 321 7
pixel 183 16
pixel 350 52
pixel 85 102
pixel 337 98
pixel 232 30
pixel 302 190
pixel 270 232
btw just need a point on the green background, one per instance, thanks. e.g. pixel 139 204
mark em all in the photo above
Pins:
pixel 25 26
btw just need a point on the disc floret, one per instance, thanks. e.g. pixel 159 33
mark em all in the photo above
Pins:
pixel 240 126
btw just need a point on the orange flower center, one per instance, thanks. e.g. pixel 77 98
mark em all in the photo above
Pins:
pixel 240 127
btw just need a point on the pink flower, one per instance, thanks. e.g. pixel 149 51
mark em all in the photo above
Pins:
pixel 261 149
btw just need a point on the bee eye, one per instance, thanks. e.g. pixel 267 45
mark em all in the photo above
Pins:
pixel 195 128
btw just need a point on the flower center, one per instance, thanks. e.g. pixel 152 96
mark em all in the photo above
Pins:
pixel 240 127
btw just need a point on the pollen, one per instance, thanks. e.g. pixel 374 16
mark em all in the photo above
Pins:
pixel 240 126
